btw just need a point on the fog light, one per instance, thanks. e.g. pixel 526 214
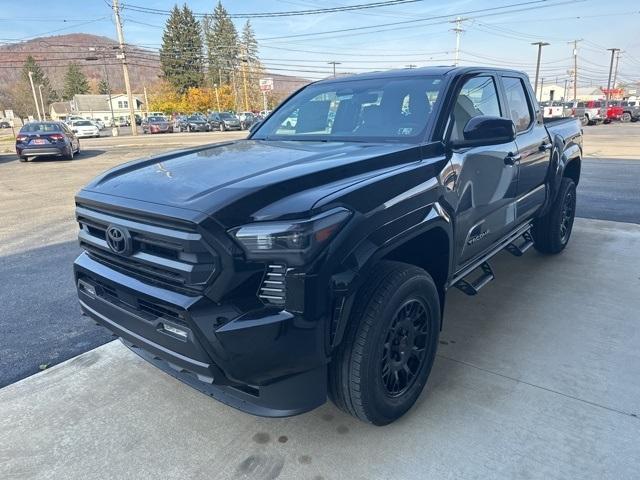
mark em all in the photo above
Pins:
pixel 176 331
pixel 87 288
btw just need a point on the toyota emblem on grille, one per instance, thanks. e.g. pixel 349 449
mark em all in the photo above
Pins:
pixel 118 240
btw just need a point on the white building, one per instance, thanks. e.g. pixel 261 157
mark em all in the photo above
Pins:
pixel 97 106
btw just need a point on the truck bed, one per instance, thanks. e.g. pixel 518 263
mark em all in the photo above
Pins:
pixel 566 128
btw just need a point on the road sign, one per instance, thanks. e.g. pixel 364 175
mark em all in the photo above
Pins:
pixel 8 114
pixel 266 84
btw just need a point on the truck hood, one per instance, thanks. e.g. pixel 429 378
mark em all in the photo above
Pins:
pixel 241 181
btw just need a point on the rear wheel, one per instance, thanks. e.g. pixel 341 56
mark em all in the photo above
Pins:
pixel 23 158
pixel 626 117
pixel 552 231
pixel 383 362
pixel 584 120
pixel 69 154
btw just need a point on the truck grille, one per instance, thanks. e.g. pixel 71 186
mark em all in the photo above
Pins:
pixel 166 255
pixel 272 289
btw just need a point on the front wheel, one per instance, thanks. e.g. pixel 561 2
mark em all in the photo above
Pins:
pixel 626 117
pixel 552 231
pixel 385 358
pixel 222 127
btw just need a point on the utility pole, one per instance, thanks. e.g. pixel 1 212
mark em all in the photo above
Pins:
pixel 615 70
pixel 540 45
pixel 334 63
pixel 146 99
pixel 458 30
pixel 215 87
pixel 542 89
pixel 44 112
pixel 35 99
pixel 613 54
pixel 575 68
pixel 125 68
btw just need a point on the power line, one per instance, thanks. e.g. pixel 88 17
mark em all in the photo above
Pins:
pixel 290 13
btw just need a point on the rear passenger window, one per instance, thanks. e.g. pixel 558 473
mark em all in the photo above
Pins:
pixel 518 103
pixel 478 96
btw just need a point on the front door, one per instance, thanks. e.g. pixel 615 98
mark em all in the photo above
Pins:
pixel 486 177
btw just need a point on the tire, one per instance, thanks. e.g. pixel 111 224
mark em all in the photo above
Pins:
pixel 584 120
pixel 358 383
pixel 626 117
pixel 222 127
pixel 22 158
pixel 69 154
pixel 552 231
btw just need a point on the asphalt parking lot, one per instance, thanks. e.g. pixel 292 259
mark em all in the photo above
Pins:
pixel 540 383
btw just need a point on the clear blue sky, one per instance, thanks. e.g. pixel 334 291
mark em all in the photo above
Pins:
pixel 489 38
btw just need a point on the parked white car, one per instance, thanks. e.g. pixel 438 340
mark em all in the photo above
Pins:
pixel 97 122
pixel 84 128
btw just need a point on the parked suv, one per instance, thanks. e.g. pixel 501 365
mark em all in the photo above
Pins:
pixel 314 261
pixel 630 111
pixel 591 112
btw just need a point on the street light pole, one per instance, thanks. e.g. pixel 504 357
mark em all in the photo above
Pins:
pixel 35 99
pixel 540 45
pixel 44 112
pixel 125 68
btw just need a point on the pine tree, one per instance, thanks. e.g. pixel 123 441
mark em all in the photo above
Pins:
pixel 250 44
pixel 181 55
pixel 103 87
pixel 75 82
pixel 223 47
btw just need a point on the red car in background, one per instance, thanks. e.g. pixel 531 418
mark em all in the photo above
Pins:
pixel 614 111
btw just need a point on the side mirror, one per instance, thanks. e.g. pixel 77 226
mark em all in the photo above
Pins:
pixel 255 126
pixel 486 130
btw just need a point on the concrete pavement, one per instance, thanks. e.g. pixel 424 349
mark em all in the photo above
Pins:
pixel 536 378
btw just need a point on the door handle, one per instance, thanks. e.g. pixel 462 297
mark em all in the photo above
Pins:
pixel 512 158
pixel 545 146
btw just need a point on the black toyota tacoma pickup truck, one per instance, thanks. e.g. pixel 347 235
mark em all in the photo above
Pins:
pixel 313 258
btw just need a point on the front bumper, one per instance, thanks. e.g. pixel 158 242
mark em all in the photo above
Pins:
pixel 265 361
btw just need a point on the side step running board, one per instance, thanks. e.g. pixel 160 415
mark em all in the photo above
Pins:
pixel 472 287
pixel 512 244
pixel 519 249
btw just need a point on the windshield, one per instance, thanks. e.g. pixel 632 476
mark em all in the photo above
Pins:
pixel 40 127
pixel 195 118
pixel 381 109
pixel 156 119
pixel 83 123
pixel 227 116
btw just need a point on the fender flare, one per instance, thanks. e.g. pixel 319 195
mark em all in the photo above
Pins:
pixel 557 165
pixel 343 298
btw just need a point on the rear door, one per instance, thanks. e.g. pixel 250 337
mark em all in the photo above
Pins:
pixel 486 177
pixel 532 140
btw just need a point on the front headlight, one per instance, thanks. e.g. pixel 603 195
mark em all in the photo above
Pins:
pixel 295 242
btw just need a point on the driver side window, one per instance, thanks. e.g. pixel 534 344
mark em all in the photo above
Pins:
pixel 478 96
